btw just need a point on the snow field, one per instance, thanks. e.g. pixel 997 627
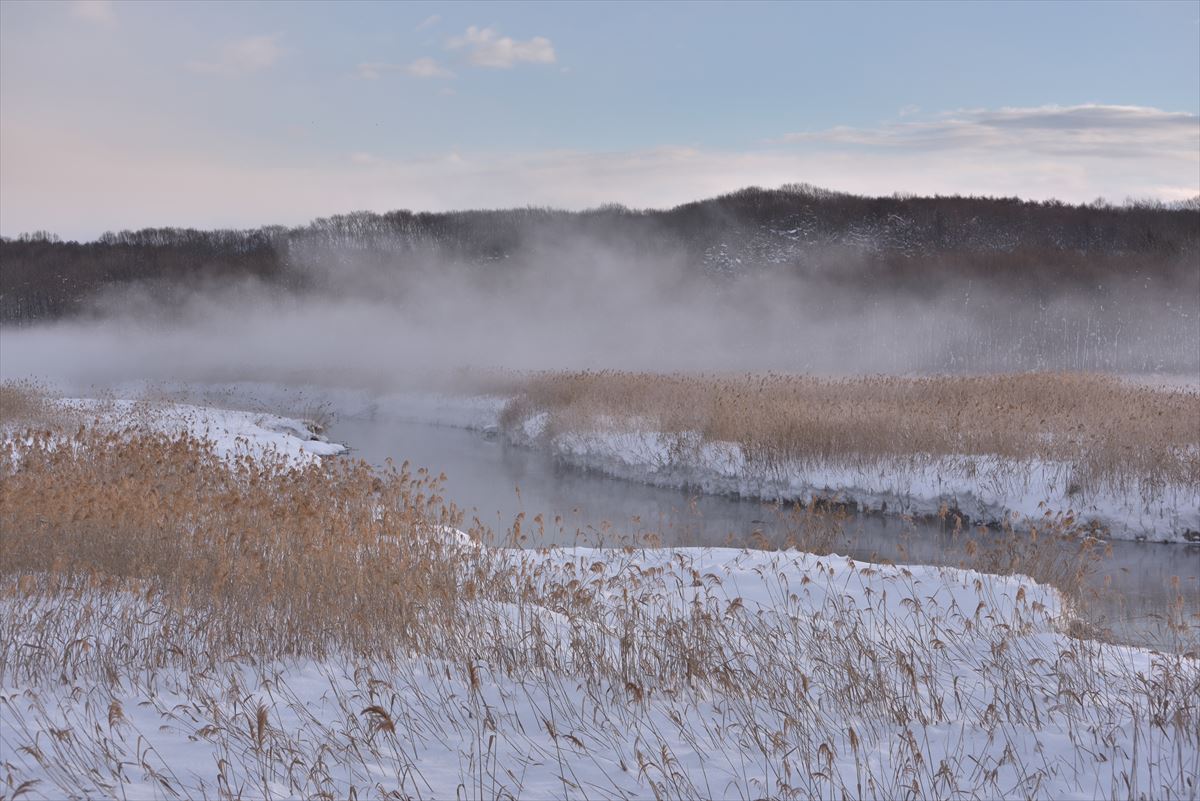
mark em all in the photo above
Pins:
pixel 695 673
pixel 597 673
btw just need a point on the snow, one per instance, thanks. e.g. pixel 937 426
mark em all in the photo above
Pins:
pixel 992 705
pixel 989 490
pixel 555 732
pixel 986 489
pixel 232 433
pixel 457 410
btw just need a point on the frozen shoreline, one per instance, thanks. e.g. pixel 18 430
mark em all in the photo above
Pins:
pixel 231 433
pixel 979 668
pixel 987 490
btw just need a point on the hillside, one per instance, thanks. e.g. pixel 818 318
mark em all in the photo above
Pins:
pixel 911 244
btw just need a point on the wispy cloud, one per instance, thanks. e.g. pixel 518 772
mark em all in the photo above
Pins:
pixel 427 68
pixel 487 48
pixel 96 11
pixel 64 180
pixel 420 68
pixel 1109 131
pixel 428 22
pixel 242 56
pixel 373 70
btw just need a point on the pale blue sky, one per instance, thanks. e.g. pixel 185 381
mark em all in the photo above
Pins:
pixel 125 114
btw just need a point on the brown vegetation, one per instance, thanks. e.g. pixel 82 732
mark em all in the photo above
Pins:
pixel 1108 430
pixel 24 403
pixel 143 578
pixel 280 560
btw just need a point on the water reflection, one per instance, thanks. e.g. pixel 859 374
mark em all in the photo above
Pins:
pixel 498 485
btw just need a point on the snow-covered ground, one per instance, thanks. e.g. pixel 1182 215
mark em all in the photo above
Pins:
pixel 987 489
pixel 458 410
pixel 232 433
pixel 713 673
pixel 837 679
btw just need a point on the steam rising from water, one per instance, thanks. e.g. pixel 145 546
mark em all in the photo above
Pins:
pixel 584 303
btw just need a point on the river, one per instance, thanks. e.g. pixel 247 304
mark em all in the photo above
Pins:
pixel 495 482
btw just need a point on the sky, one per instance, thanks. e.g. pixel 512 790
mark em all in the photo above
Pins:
pixel 118 115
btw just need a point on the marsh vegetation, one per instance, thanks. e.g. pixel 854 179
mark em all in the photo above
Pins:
pixel 178 622
pixel 204 603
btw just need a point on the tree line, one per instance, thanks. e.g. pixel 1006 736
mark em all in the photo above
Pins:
pixel 895 243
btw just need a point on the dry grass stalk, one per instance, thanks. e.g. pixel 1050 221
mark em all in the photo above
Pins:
pixel 1109 431
pixel 149 587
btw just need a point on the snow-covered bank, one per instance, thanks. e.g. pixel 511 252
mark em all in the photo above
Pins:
pixel 599 673
pixel 458 410
pixel 232 433
pixel 837 679
pixel 988 490
pixel 985 489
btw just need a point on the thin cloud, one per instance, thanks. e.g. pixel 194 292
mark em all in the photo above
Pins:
pixel 373 70
pixel 62 180
pixel 487 48
pixel 1109 131
pixel 102 12
pixel 427 68
pixel 243 56
pixel 420 68
pixel 428 22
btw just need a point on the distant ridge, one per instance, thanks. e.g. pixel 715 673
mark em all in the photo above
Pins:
pixel 900 242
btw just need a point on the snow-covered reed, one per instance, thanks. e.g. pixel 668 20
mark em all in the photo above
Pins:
pixel 1094 448
pixel 179 623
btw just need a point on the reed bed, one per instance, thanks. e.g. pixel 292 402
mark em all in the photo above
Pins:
pixel 1123 457
pixel 325 631
pixel 1110 429
pixel 25 404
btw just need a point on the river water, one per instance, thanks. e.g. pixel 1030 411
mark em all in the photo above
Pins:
pixel 496 482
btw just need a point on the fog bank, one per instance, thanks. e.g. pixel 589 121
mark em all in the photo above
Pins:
pixel 586 303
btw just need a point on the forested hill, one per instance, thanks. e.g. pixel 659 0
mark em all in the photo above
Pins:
pixel 898 243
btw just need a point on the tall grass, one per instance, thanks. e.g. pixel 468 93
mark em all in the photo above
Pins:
pixel 26 403
pixel 157 598
pixel 1107 431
